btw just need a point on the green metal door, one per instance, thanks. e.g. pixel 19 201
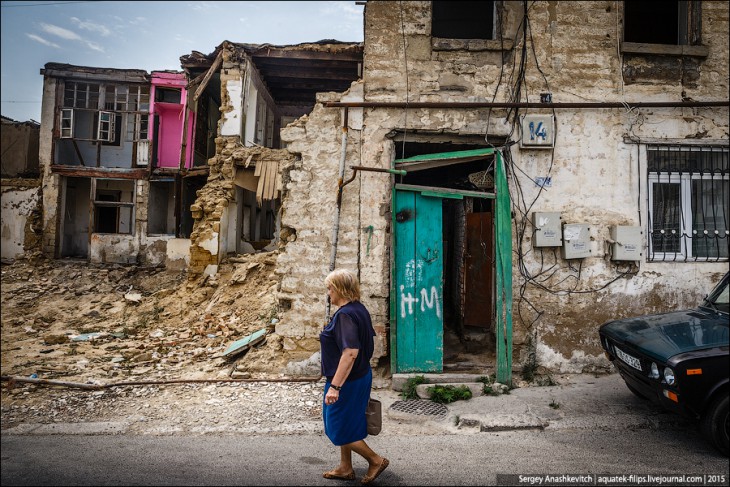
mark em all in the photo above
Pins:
pixel 419 284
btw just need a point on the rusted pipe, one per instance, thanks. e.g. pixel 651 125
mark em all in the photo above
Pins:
pixel 95 387
pixel 355 169
pixel 338 206
pixel 479 104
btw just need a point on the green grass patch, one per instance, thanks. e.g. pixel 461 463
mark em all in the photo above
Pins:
pixel 447 394
pixel 409 388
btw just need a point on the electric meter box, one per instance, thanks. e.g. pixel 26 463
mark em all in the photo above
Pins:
pixel 547 229
pixel 576 241
pixel 626 243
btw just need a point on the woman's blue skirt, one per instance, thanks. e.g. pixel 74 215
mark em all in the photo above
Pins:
pixel 344 421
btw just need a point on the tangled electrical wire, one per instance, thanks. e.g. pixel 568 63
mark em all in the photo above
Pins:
pixel 543 278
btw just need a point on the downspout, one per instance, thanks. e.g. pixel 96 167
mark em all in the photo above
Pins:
pixel 336 224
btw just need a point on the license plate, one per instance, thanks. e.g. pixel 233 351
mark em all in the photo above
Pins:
pixel 628 359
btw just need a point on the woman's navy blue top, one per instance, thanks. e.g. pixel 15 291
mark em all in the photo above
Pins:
pixel 350 327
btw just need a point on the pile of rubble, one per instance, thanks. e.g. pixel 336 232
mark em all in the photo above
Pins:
pixel 79 322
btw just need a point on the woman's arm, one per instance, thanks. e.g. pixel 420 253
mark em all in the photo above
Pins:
pixel 347 359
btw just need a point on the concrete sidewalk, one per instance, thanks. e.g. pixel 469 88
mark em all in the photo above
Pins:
pixel 581 401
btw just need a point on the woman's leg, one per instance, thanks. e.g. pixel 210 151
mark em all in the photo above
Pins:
pixel 345 466
pixel 374 460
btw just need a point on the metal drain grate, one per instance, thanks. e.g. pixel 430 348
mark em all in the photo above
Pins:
pixel 421 408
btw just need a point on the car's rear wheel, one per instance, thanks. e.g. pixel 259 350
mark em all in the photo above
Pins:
pixel 715 423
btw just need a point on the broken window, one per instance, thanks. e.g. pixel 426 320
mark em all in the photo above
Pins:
pixel 670 22
pixel 67 123
pixel 463 20
pixel 107 113
pixel 161 208
pixel 113 206
pixel 688 203
pixel 81 95
pixel 106 127
pixel 167 95
pixel 206 119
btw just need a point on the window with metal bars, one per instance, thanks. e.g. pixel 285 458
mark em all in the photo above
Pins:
pixel 688 189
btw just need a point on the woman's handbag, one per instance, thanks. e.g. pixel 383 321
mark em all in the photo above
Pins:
pixel 374 417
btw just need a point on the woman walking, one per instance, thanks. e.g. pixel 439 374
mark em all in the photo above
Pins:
pixel 346 349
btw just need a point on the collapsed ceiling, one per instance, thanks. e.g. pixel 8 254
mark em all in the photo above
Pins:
pixel 295 73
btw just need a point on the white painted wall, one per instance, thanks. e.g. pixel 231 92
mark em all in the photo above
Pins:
pixel 232 119
pixel 17 205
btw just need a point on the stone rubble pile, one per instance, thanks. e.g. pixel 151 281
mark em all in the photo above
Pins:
pixel 79 322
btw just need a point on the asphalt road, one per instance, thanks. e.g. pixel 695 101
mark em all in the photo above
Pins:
pixel 473 459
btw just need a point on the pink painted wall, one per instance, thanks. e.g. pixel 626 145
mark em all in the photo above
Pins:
pixel 171 121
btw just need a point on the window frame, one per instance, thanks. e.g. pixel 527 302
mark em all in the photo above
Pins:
pixel 494 26
pixel 97 204
pixel 689 45
pixel 67 114
pixel 686 222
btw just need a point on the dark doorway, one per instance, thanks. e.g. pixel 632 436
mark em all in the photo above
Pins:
pixel 468 253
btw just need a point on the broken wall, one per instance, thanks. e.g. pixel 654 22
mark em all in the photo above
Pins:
pixel 598 175
pixel 20 219
pixel 309 203
pixel 19 141
pixel 216 213
pixel 21 196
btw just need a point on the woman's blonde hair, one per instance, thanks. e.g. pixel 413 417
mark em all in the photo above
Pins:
pixel 345 283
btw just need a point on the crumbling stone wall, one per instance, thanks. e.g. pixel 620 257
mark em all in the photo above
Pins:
pixel 208 208
pixel 597 177
pixel 309 204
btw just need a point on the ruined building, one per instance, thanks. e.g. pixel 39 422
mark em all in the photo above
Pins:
pixel 503 176
pixel 21 211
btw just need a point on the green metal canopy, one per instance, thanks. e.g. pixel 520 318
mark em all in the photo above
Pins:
pixel 428 161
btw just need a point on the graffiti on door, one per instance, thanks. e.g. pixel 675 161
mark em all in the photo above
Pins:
pixel 429 298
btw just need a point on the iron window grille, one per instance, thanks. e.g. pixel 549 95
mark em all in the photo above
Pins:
pixel 688 188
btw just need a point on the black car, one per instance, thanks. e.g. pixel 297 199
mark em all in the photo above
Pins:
pixel 678 360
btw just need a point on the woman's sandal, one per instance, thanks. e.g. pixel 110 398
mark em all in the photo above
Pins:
pixel 369 478
pixel 336 476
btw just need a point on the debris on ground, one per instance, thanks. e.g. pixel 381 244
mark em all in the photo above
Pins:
pixel 78 321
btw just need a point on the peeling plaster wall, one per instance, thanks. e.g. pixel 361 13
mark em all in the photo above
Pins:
pixel 177 254
pixel 51 182
pixel 597 178
pixel 18 205
pixel 308 211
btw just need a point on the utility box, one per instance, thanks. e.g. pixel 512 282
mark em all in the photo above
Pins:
pixel 626 242
pixel 576 241
pixel 547 229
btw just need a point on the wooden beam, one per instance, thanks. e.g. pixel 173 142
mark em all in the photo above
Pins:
pixel 214 67
pixel 96 172
pixel 267 52
pixel 266 62
pixel 307 85
pixel 78 152
pixel 324 74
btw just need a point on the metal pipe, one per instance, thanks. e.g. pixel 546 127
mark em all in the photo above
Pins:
pixel 338 206
pixel 355 169
pixel 95 387
pixel 479 104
